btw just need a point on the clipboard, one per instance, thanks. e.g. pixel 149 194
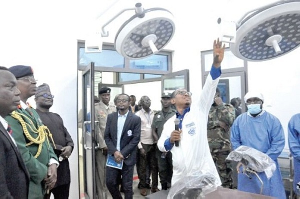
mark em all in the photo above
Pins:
pixel 112 163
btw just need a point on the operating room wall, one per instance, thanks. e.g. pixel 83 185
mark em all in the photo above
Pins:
pixel 44 35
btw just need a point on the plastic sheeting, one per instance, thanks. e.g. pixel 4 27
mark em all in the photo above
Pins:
pixel 193 187
pixel 253 159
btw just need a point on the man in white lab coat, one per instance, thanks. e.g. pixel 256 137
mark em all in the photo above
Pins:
pixel 193 154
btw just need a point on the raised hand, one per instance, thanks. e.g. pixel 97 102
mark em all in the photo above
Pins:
pixel 218 53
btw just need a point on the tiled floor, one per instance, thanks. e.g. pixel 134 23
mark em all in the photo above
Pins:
pixel 136 191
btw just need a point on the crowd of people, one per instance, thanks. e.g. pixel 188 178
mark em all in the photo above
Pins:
pixel 35 145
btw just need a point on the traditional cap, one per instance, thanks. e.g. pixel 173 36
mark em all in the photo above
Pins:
pixel 40 90
pixel 253 94
pixel 21 71
pixel 166 95
pixel 104 90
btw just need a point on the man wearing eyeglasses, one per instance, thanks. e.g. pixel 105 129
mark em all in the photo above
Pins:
pixel 32 137
pixel 63 143
pixel 191 157
pixel 102 110
pixel 122 135
pixel 262 131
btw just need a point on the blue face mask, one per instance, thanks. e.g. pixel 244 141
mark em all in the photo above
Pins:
pixel 254 108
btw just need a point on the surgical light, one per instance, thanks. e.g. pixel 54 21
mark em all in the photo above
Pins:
pixel 268 32
pixel 145 33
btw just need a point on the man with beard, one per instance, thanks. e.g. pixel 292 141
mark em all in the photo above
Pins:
pixel 63 142
pixel 32 137
pixel 14 177
pixel 122 135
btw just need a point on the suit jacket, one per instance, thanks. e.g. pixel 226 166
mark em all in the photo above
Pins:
pixel 130 136
pixel 14 177
pixel 37 167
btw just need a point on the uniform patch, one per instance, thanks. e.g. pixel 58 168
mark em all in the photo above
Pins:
pixel 192 130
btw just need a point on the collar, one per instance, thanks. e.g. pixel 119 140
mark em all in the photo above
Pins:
pixel 262 112
pixel 146 112
pixel 184 112
pixel 23 105
pixel 3 122
pixel 125 115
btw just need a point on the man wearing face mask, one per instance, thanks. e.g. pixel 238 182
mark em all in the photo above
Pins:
pixel 262 131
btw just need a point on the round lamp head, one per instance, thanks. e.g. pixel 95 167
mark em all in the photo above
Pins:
pixel 269 32
pixel 142 36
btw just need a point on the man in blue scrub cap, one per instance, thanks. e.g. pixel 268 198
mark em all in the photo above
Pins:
pixel 262 131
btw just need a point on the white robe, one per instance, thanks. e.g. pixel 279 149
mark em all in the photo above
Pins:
pixel 193 154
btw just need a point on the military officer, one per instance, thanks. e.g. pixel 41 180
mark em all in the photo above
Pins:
pixel 102 109
pixel 220 119
pixel 165 166
pixel 32 137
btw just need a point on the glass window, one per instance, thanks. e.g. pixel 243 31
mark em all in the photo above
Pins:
pixel 154 62
pixel 149 76
pixel 107 58
pixel 123 77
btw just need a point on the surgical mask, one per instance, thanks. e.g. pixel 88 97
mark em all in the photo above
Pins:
pixel 254 108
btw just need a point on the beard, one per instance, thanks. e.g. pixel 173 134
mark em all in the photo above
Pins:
pixel 46 106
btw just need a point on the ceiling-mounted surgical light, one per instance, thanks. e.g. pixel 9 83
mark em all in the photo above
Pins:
pixel 268 32
pixel 145 33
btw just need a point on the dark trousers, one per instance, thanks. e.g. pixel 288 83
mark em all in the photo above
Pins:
pixel 148 159
pixel 165 167
pixel 59 192
pixel 112 181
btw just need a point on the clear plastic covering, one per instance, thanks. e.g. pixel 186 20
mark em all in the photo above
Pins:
pixel 193 187
pixel 253 159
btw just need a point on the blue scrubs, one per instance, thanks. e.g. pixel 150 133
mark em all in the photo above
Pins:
pixel 264 133
pixel 294 145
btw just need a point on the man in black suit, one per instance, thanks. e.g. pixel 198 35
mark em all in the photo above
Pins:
pixel 14 178
pixel 122 135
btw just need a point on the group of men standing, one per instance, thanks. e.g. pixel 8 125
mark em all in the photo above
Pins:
pixel 207 132
pixel 145 152
pixel 35 145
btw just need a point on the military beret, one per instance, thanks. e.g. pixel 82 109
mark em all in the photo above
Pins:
pixel 166 95
pixel 104 90
pixel 21 71
pixel 40 90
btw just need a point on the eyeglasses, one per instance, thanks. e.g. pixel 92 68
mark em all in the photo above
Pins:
pixel 122 100
pixel 48 96
pixel 29 78
pixel 182 92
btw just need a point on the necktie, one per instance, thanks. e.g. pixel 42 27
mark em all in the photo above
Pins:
pixel 9 130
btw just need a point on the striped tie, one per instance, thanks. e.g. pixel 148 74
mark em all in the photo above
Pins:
pixel 9 130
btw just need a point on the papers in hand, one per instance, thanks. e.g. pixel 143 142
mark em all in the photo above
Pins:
pixel 112 163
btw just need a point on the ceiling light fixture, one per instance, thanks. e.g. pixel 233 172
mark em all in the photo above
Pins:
pixel 268 32
pixel 145 33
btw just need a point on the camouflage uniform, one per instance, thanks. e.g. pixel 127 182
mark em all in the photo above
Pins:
pixel 164 159
pixel 219 139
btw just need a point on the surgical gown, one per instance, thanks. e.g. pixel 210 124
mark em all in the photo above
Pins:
pixel 264 133
pixel 294 145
